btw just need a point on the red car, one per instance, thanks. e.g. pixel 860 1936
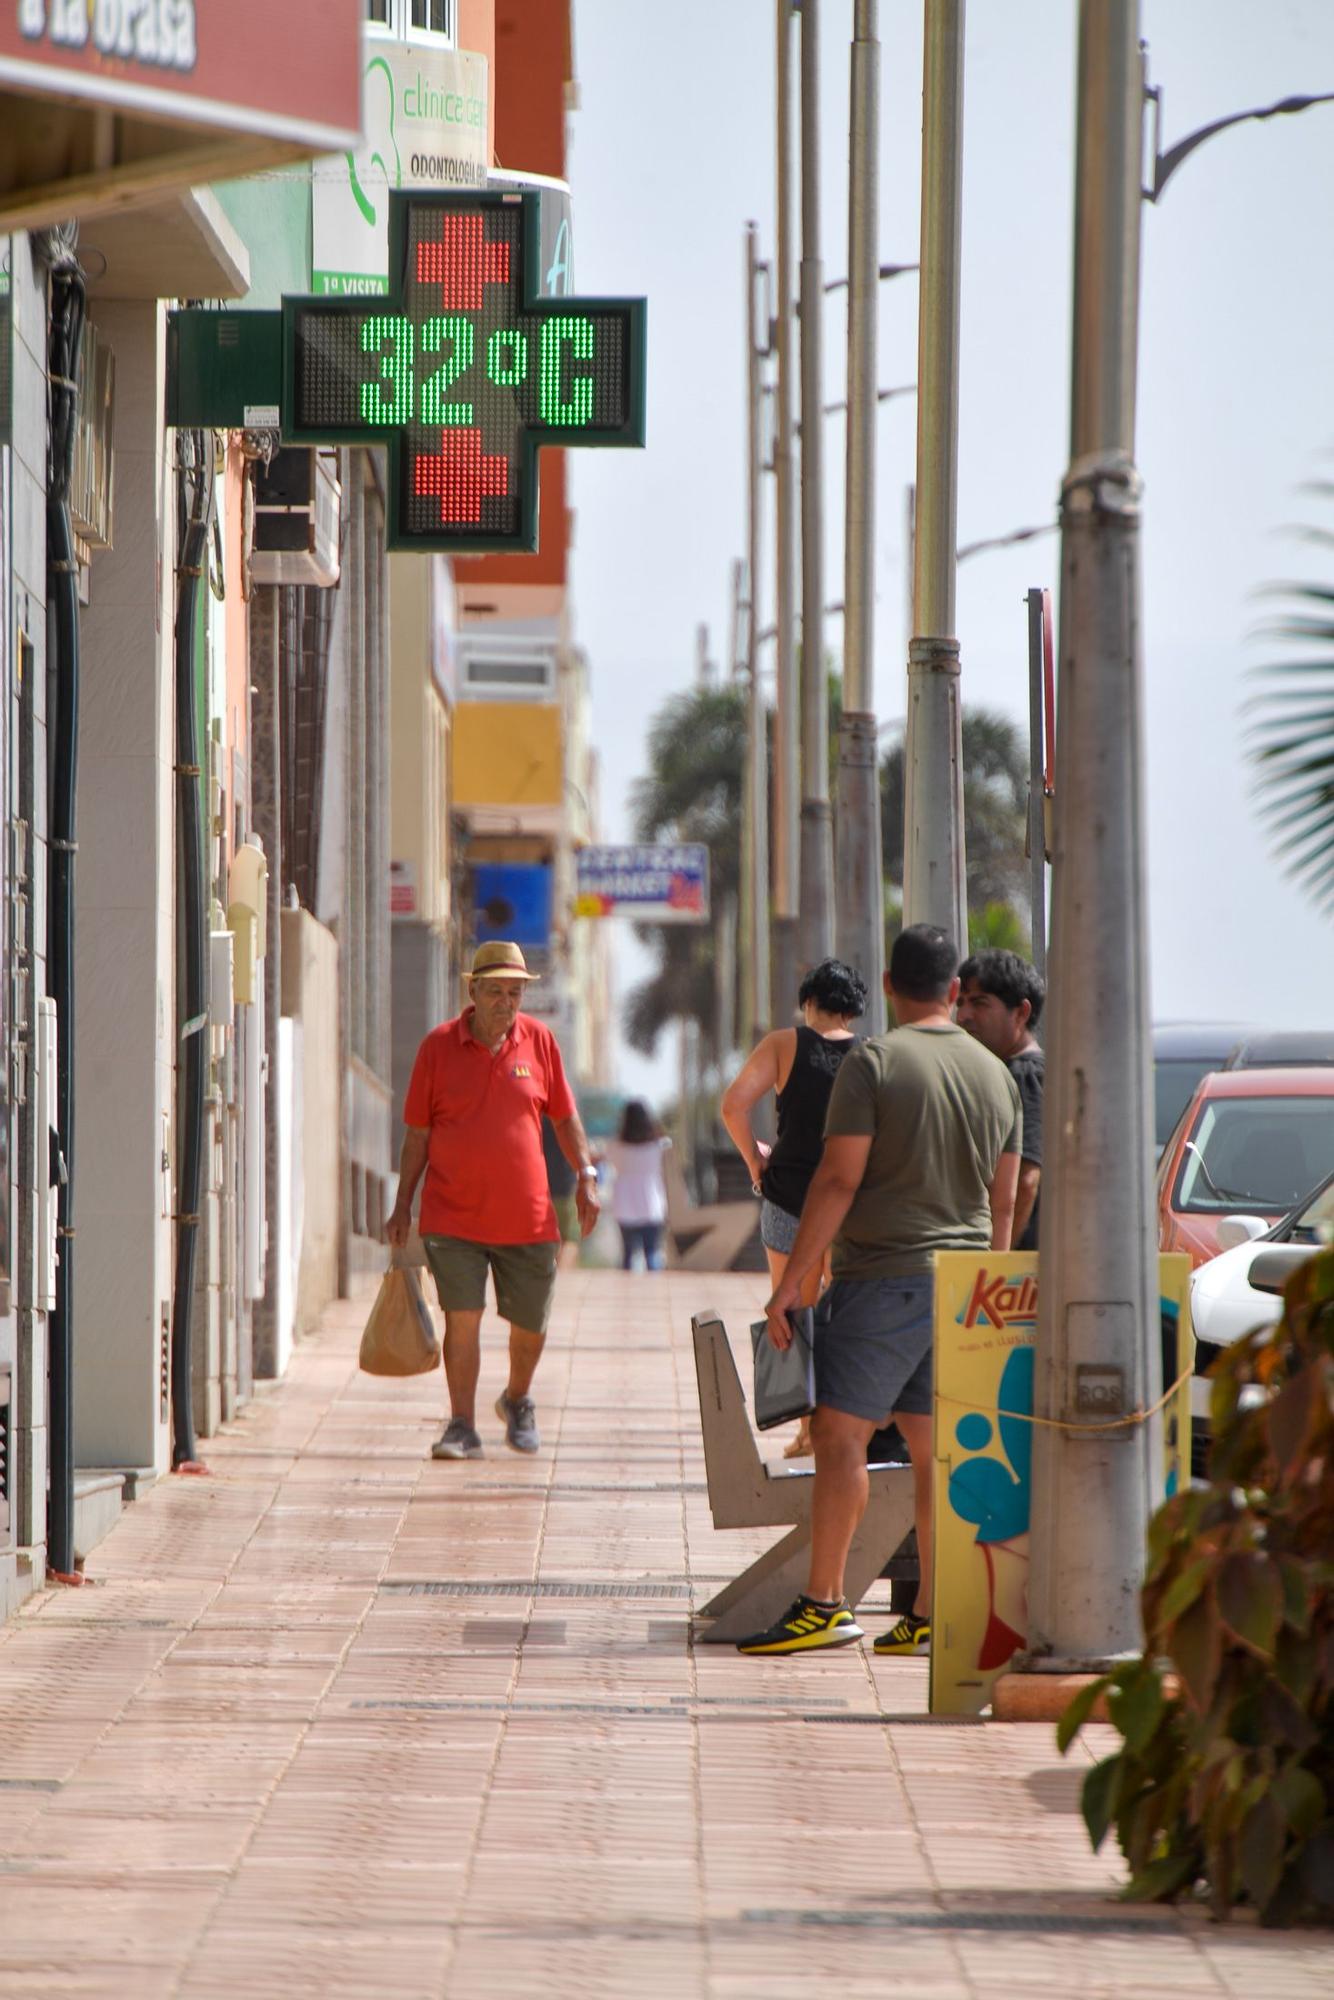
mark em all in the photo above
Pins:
pixel 1250 1142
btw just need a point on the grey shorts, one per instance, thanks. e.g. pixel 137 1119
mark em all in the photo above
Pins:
pixel 525 1276
pixel 778 1229
pixel 873 1339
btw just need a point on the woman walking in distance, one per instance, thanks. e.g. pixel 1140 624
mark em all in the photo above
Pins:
pixel 799 1065
pixel 639 1194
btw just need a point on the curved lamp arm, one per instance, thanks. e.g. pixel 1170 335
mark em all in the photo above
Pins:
pixel 1166 164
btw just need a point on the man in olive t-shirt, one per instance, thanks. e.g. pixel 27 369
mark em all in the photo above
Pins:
pixel 922 1142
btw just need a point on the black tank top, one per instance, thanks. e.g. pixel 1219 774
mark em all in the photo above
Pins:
pixel 802 1103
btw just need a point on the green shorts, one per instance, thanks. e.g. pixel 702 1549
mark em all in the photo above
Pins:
pixel 524 1273
pixel 567 1217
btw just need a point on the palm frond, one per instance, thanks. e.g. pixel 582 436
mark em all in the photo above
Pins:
pixel 1290 730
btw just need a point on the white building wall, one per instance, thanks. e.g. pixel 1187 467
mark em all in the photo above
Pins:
pixel 23 551
pixel 125 999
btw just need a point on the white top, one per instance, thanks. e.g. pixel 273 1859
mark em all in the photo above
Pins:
pixel 639 1193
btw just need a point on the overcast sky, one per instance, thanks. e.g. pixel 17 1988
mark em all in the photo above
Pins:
pixel 673 151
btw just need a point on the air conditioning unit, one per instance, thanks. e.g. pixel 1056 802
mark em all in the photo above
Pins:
pixel 92 483
pixel 499 665
pixel 298 518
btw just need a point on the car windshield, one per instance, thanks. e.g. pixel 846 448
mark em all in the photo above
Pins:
pixel 1174 1081
pixel 1315 1224
pixel 1256 1153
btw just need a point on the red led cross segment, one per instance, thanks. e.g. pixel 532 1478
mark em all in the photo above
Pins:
pixel 461 475
pixel 462 262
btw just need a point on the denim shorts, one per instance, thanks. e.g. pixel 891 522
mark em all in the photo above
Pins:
pixel 778 1229
pixel 873 1339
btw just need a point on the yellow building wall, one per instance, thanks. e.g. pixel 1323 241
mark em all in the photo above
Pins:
pixel 507 753
pixel 419 744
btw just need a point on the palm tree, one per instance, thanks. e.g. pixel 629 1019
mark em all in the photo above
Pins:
pixel 995 817
pixel 1293 740
pixel 691 791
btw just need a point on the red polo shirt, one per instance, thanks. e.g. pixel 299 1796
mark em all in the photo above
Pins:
pixel 486 1179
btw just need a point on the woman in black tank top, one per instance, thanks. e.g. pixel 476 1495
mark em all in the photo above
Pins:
pixel 799 1065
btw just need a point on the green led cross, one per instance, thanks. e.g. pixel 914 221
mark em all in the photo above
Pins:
pixel 463 371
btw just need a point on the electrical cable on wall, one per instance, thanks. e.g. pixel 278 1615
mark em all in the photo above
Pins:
pixel 194 493
pixel 67 311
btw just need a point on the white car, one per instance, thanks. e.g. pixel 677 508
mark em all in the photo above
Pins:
pixel 1242 1287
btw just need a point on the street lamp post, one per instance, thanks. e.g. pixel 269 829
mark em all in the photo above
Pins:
pixel 933 842
pixel 1097 1348
pixel 788 711
pixel 815 937
pixel 755 790
pixel 860 915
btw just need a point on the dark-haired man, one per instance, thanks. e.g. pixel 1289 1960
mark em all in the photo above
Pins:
pixel 921 1154
pixel 1000 1003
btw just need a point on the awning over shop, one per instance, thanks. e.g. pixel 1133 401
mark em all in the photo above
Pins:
pixel 110 102
pixel 177 244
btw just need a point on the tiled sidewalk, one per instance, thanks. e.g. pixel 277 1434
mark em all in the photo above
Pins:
pixel 341 1721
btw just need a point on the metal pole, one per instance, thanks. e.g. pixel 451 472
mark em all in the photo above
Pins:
pixel 861 914
pixel 1037 816
pixel 1098 1348
pixel 703 664
pixel 816 928
pixel 735 664
pixel 787 701
pixel 755 833
pixel 934 888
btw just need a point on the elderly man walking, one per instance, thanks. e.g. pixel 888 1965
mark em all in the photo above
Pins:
pixel 921 1153
pixel 474 1108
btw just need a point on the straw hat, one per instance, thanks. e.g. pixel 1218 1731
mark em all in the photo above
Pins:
pixel 499 960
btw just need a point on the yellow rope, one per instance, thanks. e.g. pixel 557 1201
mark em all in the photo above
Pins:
pixel 1055 1423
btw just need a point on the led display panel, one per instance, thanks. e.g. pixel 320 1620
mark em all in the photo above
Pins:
pixel 463 371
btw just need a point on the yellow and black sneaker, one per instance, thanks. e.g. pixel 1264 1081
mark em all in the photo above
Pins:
pixel 910 1637
pixel 806 1628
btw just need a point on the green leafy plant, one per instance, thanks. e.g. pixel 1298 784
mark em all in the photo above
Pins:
pixel 1226 1772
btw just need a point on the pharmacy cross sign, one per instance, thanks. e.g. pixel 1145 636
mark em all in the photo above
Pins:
pixel 463 371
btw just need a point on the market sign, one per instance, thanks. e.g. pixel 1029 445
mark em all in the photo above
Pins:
pixel 654 884
pixel 424 124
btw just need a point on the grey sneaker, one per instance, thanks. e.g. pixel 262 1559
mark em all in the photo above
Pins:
pixel 457 1440
pixel 520 1421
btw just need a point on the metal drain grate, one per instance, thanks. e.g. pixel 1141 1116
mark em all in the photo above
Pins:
pixel 561 1487
pixel 637 1711
pixel 468 1586
pixel 508 1633
pixel 1073 1922
pixel 752 1701
pixel 592 1708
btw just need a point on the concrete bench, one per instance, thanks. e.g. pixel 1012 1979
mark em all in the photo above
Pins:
pixel 746 1493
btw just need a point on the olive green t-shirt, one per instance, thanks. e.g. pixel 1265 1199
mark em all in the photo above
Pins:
pixel 939 1110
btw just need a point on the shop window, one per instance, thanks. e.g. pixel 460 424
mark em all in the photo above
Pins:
pixel 416 20
pixel 433 17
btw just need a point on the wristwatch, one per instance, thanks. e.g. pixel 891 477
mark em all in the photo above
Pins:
pixel 588 1173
